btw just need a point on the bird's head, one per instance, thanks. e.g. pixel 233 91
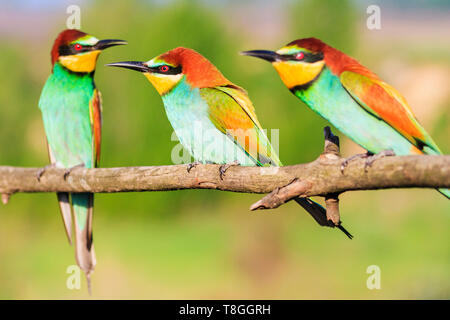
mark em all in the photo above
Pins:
pixel 78 51
pixel 298 63
pixel 167 70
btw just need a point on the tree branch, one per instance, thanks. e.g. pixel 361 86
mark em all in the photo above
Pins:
pixel 322 177
pixel 296 188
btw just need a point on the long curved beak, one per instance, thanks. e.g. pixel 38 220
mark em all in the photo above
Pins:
pixel 103 44
pixel 267 55
pixel 133 65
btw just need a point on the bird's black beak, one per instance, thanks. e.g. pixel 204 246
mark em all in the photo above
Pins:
pixel 103 44
pixel 133 65
pixel 270 56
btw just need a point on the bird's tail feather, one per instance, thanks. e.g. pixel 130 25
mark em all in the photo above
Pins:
pixel 66 213
pixel 319 214
pixel 445 192
pixel 435 151
pixel 82 216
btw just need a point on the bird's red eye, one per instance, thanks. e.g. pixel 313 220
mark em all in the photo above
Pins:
pixel 77 46
pixel 299 56
pixel 164 68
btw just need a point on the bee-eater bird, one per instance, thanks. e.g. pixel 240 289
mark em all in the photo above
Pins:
pixel 354 99
pixel 72 115
pixel 197 97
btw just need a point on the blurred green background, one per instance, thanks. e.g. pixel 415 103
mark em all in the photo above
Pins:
pixel 206 244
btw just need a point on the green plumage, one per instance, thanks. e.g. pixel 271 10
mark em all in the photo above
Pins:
pixel 66 105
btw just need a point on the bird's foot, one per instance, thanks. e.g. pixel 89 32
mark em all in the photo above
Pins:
pixel 371 159
pixel 225 167
pixel 41 171
pixel 192 165
pixel 69 170
pixel 346 161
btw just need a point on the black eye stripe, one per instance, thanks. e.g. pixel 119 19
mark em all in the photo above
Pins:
pixel 172 70
pixel 68 50
pixel 309 57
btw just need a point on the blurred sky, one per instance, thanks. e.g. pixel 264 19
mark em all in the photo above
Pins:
pixel 259 16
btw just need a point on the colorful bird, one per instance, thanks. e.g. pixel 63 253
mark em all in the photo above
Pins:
pixel 355 100
pixel 72 114
pixel 213 118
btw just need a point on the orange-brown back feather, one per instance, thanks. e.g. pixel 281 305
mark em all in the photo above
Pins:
pixel 96 120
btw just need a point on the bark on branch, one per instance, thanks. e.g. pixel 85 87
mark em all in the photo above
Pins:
pixel 323 176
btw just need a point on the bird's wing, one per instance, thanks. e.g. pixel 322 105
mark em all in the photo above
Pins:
pixel 83 203
pixel 232 112
pixel 387 104
pixel 230 109
pixel 95 111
